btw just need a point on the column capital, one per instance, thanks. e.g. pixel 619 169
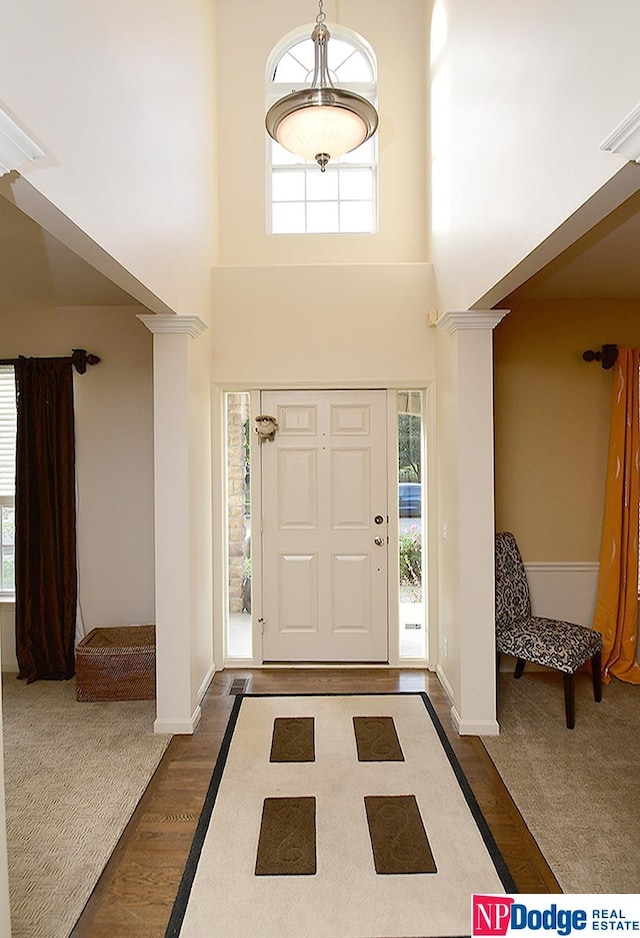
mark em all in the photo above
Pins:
pixel 478 319
pixel 167 322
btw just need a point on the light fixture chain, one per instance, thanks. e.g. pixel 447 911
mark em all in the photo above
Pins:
pixel 321 17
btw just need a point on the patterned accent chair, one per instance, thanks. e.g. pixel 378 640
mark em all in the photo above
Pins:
pixel 564 646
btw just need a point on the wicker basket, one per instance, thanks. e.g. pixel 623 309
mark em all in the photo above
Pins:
pixel 117 664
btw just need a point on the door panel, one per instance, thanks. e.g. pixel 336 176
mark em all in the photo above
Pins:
pixel 351 592
pixel 324 479
pixel 297 489
pixel 350 489
pixel 298 592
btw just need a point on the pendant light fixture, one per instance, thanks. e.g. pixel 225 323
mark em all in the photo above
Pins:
pixel 321 122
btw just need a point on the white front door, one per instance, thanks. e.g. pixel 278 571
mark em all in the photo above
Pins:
pixel 324 524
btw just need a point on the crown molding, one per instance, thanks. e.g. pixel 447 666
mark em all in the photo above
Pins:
pixel 168 323
pixel 15 146
pixel 625 139
pixel 453 322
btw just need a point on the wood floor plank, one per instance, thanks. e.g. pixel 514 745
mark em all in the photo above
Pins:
pixel 136 891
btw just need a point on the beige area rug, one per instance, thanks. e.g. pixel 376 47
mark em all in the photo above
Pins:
pixel 578 790
pixel 336 817
pixel 74 773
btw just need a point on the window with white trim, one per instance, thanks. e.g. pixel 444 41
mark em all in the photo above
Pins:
pixel 7 478
pixel 303 200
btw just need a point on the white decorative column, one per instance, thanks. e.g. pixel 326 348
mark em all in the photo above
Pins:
pixel 474 705
pixel 177 707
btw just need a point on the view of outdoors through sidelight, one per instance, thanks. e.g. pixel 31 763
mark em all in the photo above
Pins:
pixel 413 640
pixel 413 643
pixel 238 525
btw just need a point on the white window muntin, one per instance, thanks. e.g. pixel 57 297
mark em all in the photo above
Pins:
pixel 304 200
pixel 346 50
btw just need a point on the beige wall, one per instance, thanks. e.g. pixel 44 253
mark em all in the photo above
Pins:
pixel 291 309
pixel 244 44
pixel 114 451
pixel 552 423
pixel 307 325
pixel 523 96
pixel 120 97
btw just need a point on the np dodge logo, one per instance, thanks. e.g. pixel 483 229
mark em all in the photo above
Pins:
pixel 491 915
pixel 494 916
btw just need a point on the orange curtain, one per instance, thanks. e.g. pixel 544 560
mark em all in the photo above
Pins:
pixel 616 613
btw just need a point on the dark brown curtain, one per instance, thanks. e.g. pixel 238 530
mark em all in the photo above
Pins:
pixel 46 585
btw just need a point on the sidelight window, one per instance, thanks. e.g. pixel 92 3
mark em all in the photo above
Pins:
pixel 237 409
pixel 411 524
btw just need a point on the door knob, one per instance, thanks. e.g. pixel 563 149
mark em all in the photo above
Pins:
pixel 379 541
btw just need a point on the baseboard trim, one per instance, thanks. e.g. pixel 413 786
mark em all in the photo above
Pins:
pixel 474 727
pixel 204 687
pixel 444 680
pixel 175 727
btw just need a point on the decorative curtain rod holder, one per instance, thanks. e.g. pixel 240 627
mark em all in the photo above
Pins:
pixel 607 356
pixel 79 358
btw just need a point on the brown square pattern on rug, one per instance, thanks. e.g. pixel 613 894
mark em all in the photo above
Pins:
pixel 398 838
pixel 287 842
pixel 292 740
pixel 377 740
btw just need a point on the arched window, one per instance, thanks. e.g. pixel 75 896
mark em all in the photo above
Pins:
pixel 303 200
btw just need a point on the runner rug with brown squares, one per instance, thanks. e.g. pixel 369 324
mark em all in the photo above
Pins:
pixel 343 816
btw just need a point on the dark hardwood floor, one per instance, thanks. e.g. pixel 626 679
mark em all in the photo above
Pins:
pixel 135 893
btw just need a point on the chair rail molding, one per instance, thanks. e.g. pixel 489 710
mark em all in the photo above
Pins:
pixel 564 590
pixel 573 566
pixel 15 146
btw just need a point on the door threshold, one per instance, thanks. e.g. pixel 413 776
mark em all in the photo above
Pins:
pixel 325 664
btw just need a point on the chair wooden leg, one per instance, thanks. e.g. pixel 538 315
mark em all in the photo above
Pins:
pixel 519 668
pixel 596 676
pixel 569 701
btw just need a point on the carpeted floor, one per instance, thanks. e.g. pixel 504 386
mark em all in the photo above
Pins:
pixel 578 790
pixel 74 773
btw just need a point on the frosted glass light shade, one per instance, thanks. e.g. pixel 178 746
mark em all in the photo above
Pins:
pixel 314 130
pixel 321 122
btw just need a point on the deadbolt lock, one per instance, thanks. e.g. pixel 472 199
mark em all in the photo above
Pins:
pixel 378 519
